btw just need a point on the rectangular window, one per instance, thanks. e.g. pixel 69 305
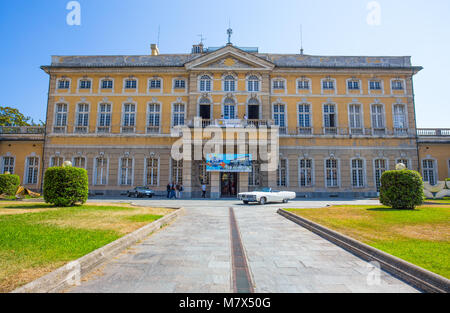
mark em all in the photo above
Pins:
pixel 130 84
pixel 329 115
pixel 85 84
pixel 126 171
pixel 129 118
pixel 101 171
pixel 60 118
pixel 155 84
pixel 32 170
pixel 229 111
pixel 104 118
pixel 204 176
pixel 357 173
pixel 380 168
pixel 399 116
pixel 152 171
pixel 353 85
pixel 281 173
pixel 328 85
pixel 279 116
pixel 305 173
pixel 154 117
pixel 429 174
pixel 79 162
pixel 254 175
pixel 304 115
pixel 278 84
pixel 253 85
pixel 375 85
pixel 180 84
pixel 177 171
pixel 56 161
pixel 355 116
pixel 8 165
pixel 331 173
pixel 397 85
pixel 229 85
pixel 377 116
pixel 82 119
pixel 107 84
pixel 205 84
pixel 63 84
pixel 178 114
pixel 303 85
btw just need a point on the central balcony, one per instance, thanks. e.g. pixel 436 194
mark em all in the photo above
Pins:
pixel 240 123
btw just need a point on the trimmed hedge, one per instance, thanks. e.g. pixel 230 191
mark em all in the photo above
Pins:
pixel 65 186
pixel 401 189
pixel 9 184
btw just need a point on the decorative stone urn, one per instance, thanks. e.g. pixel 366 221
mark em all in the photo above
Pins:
pixel 67 164
pixel 437 191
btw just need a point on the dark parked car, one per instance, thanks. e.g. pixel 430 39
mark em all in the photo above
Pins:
pixel 140 192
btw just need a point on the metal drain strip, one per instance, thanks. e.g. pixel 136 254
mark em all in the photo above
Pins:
pixel 242 282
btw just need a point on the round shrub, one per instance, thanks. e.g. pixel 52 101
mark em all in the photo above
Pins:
pixel 9 184
pixel 65 186
pixel 401 189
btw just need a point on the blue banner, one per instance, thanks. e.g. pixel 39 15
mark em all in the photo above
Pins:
pixel 228 162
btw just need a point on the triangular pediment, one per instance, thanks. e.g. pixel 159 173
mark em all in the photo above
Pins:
pixel 229 58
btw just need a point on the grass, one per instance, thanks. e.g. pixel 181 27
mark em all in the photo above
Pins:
pixel 36 239
pixel 420 236
pixel 445 200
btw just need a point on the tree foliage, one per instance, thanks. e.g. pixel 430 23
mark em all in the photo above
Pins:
pixel 13 117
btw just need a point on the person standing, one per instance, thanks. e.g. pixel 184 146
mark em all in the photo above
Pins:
pixel 180 191
pixel 177 191
pixel 168 190
pixel 203 190
pixel 172 190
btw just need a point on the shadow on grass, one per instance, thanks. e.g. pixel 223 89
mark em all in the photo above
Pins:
pixel 30 206
pixel 390 210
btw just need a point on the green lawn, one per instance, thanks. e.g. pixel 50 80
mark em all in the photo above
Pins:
pixel 36 239
pixel 420 236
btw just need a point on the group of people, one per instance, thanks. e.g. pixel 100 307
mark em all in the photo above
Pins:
pixel 174 191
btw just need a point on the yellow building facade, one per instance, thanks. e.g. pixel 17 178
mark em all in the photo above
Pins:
pixel 340 121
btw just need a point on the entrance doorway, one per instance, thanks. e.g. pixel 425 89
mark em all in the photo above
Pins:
pixel 205 111
pixel 228 185
pixel 253 112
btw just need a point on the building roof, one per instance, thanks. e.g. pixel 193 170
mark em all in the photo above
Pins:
pixel 279 60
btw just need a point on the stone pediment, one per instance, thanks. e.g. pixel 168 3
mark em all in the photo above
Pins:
pixel 229 58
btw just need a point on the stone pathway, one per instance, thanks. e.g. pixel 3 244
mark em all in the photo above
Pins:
pixel 194 255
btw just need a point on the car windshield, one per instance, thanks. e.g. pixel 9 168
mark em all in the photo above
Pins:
pixel 265 189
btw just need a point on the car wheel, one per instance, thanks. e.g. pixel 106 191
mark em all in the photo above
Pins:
pixel 262 201
pixel 245 202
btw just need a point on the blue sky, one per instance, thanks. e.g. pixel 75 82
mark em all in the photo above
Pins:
pixel 32 31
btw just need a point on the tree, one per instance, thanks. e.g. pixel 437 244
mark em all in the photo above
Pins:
pixel 13 117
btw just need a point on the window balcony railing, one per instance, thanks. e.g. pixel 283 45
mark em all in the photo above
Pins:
pixel 22 129
pixel 103 129
pixel 356 131
pixel 127 129
pixel 378 131
pixel 81 130
pixel 330 130
pixel 59 129
pixel 401 131
pixel 152 129
pixel 435 132
pixel 304 130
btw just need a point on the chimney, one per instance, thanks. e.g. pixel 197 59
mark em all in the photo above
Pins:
pixel 197 49
pixel 155 50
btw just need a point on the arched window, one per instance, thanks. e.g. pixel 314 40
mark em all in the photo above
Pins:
pixel 380 167
pixel 253 83
pixel 331 171
pixel 253 109
pixel 229 83
pixel 205 83
pixel 229 109
pixel 205 108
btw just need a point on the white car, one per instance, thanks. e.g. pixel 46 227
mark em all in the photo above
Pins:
pixel 265 195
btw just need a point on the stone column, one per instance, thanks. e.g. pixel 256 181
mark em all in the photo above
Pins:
pixel 243 182
pixel 187 179
pixel 215 185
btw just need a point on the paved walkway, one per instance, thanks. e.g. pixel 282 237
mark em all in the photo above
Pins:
pixel 194 255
